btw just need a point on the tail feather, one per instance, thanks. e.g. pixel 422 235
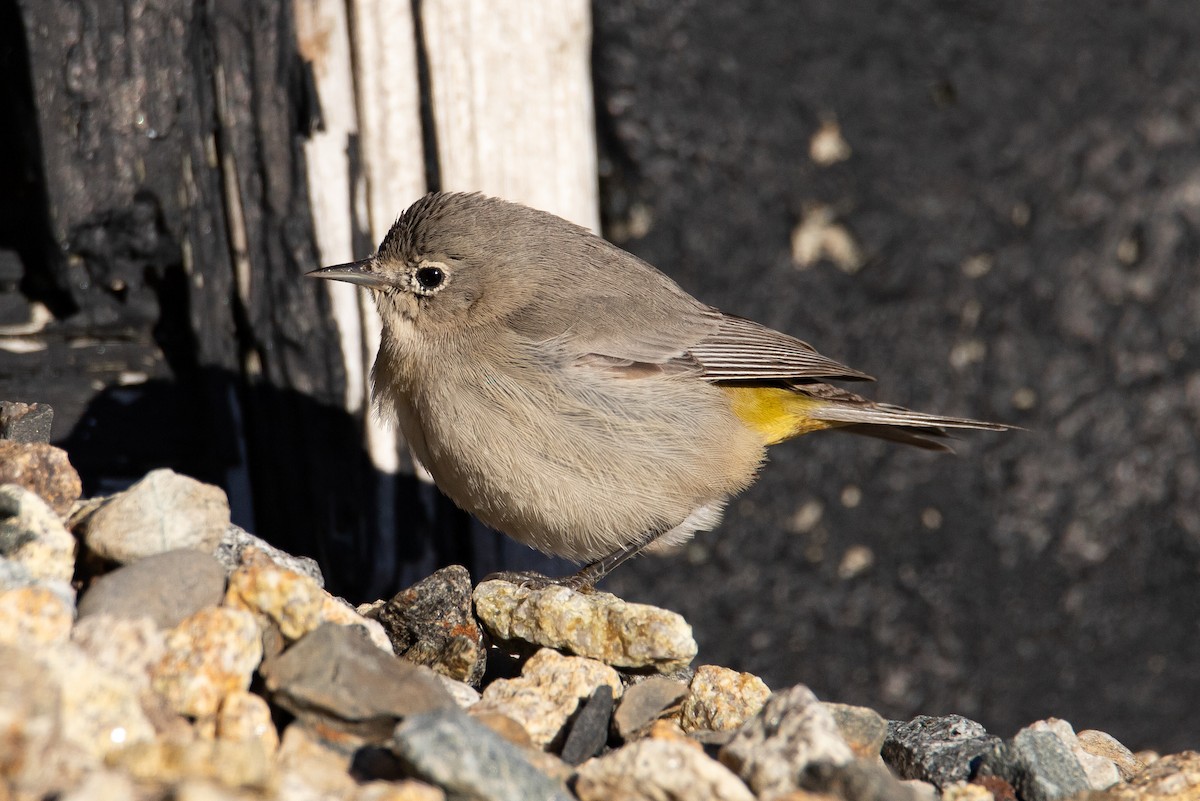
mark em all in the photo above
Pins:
pixel 858 415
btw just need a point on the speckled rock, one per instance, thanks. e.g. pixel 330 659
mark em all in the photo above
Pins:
pixel 656 770
pixel 104 785
pixel 863 729
pixel 293 601
pixel 451 750
pixel 940 750
pixel 239 764
pixel 209 655
pixel 33 760
pixel 239 547
pixel 548 691
pixel 1175 777
pixel 34 615
pixel 308 768
pixel 1105 745
pixel 32 535
pixel 162 512
pixel 721 699
pixel 431 623
pixel 963 791
pixel 120 645
pixel 791 731
pixel 405 790
pixel 26 422
pixel 43 470
pixel 335 678
pixel 596 625
pixel 643 702
pixel 166 588
pixel 100 709
pixel 246 716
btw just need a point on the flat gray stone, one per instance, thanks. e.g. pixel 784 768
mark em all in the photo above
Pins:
pixel 1038 764
pixel 167 588
pixel 589 730
pixel 468 760
pixel 643 702
pixel 336 677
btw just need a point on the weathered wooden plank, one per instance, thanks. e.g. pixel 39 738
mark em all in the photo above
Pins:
pixel 511 97
pixel 180 202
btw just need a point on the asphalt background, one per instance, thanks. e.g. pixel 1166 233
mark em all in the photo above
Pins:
pixel 1023 185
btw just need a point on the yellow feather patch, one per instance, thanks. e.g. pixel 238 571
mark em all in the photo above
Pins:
pixel 774 413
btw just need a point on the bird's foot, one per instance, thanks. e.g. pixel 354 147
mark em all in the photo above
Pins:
pixel 531 580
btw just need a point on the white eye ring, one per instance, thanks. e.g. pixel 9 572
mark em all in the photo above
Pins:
pixel 428 278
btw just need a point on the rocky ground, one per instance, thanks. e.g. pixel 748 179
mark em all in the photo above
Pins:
pixel 152 650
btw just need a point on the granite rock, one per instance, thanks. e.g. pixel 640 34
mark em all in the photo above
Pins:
pixel 547 693
pixel 431 623
pixel 721 699
pixel 166 588
pixel 32 534
pixel 658 770
pixel 162 512
pixel 239 547
pixel 26 422
pixel 939 750
pixel 42 469
pixel 451 750
pixel 596 625
pixel 792 731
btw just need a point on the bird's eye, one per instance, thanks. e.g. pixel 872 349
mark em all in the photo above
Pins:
pixel 430 277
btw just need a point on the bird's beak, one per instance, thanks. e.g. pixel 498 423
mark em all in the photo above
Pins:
pixel 356 272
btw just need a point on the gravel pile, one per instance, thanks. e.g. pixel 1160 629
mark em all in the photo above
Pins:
pixel 151 650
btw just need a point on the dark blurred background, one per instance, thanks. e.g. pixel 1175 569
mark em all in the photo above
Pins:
pixel 1021 182
pixel 994 208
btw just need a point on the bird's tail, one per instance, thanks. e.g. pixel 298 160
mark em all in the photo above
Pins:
pixel 779 412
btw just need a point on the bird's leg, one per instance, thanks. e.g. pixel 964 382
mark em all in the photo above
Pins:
pixel 585 580
pixel 587 577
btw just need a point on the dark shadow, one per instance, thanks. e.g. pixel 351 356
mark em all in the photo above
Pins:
pixel 24 204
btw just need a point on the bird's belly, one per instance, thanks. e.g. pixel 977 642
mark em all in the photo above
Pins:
pixel 581 473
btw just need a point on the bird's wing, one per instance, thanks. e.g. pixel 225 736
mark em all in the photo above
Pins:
pixel 743 350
